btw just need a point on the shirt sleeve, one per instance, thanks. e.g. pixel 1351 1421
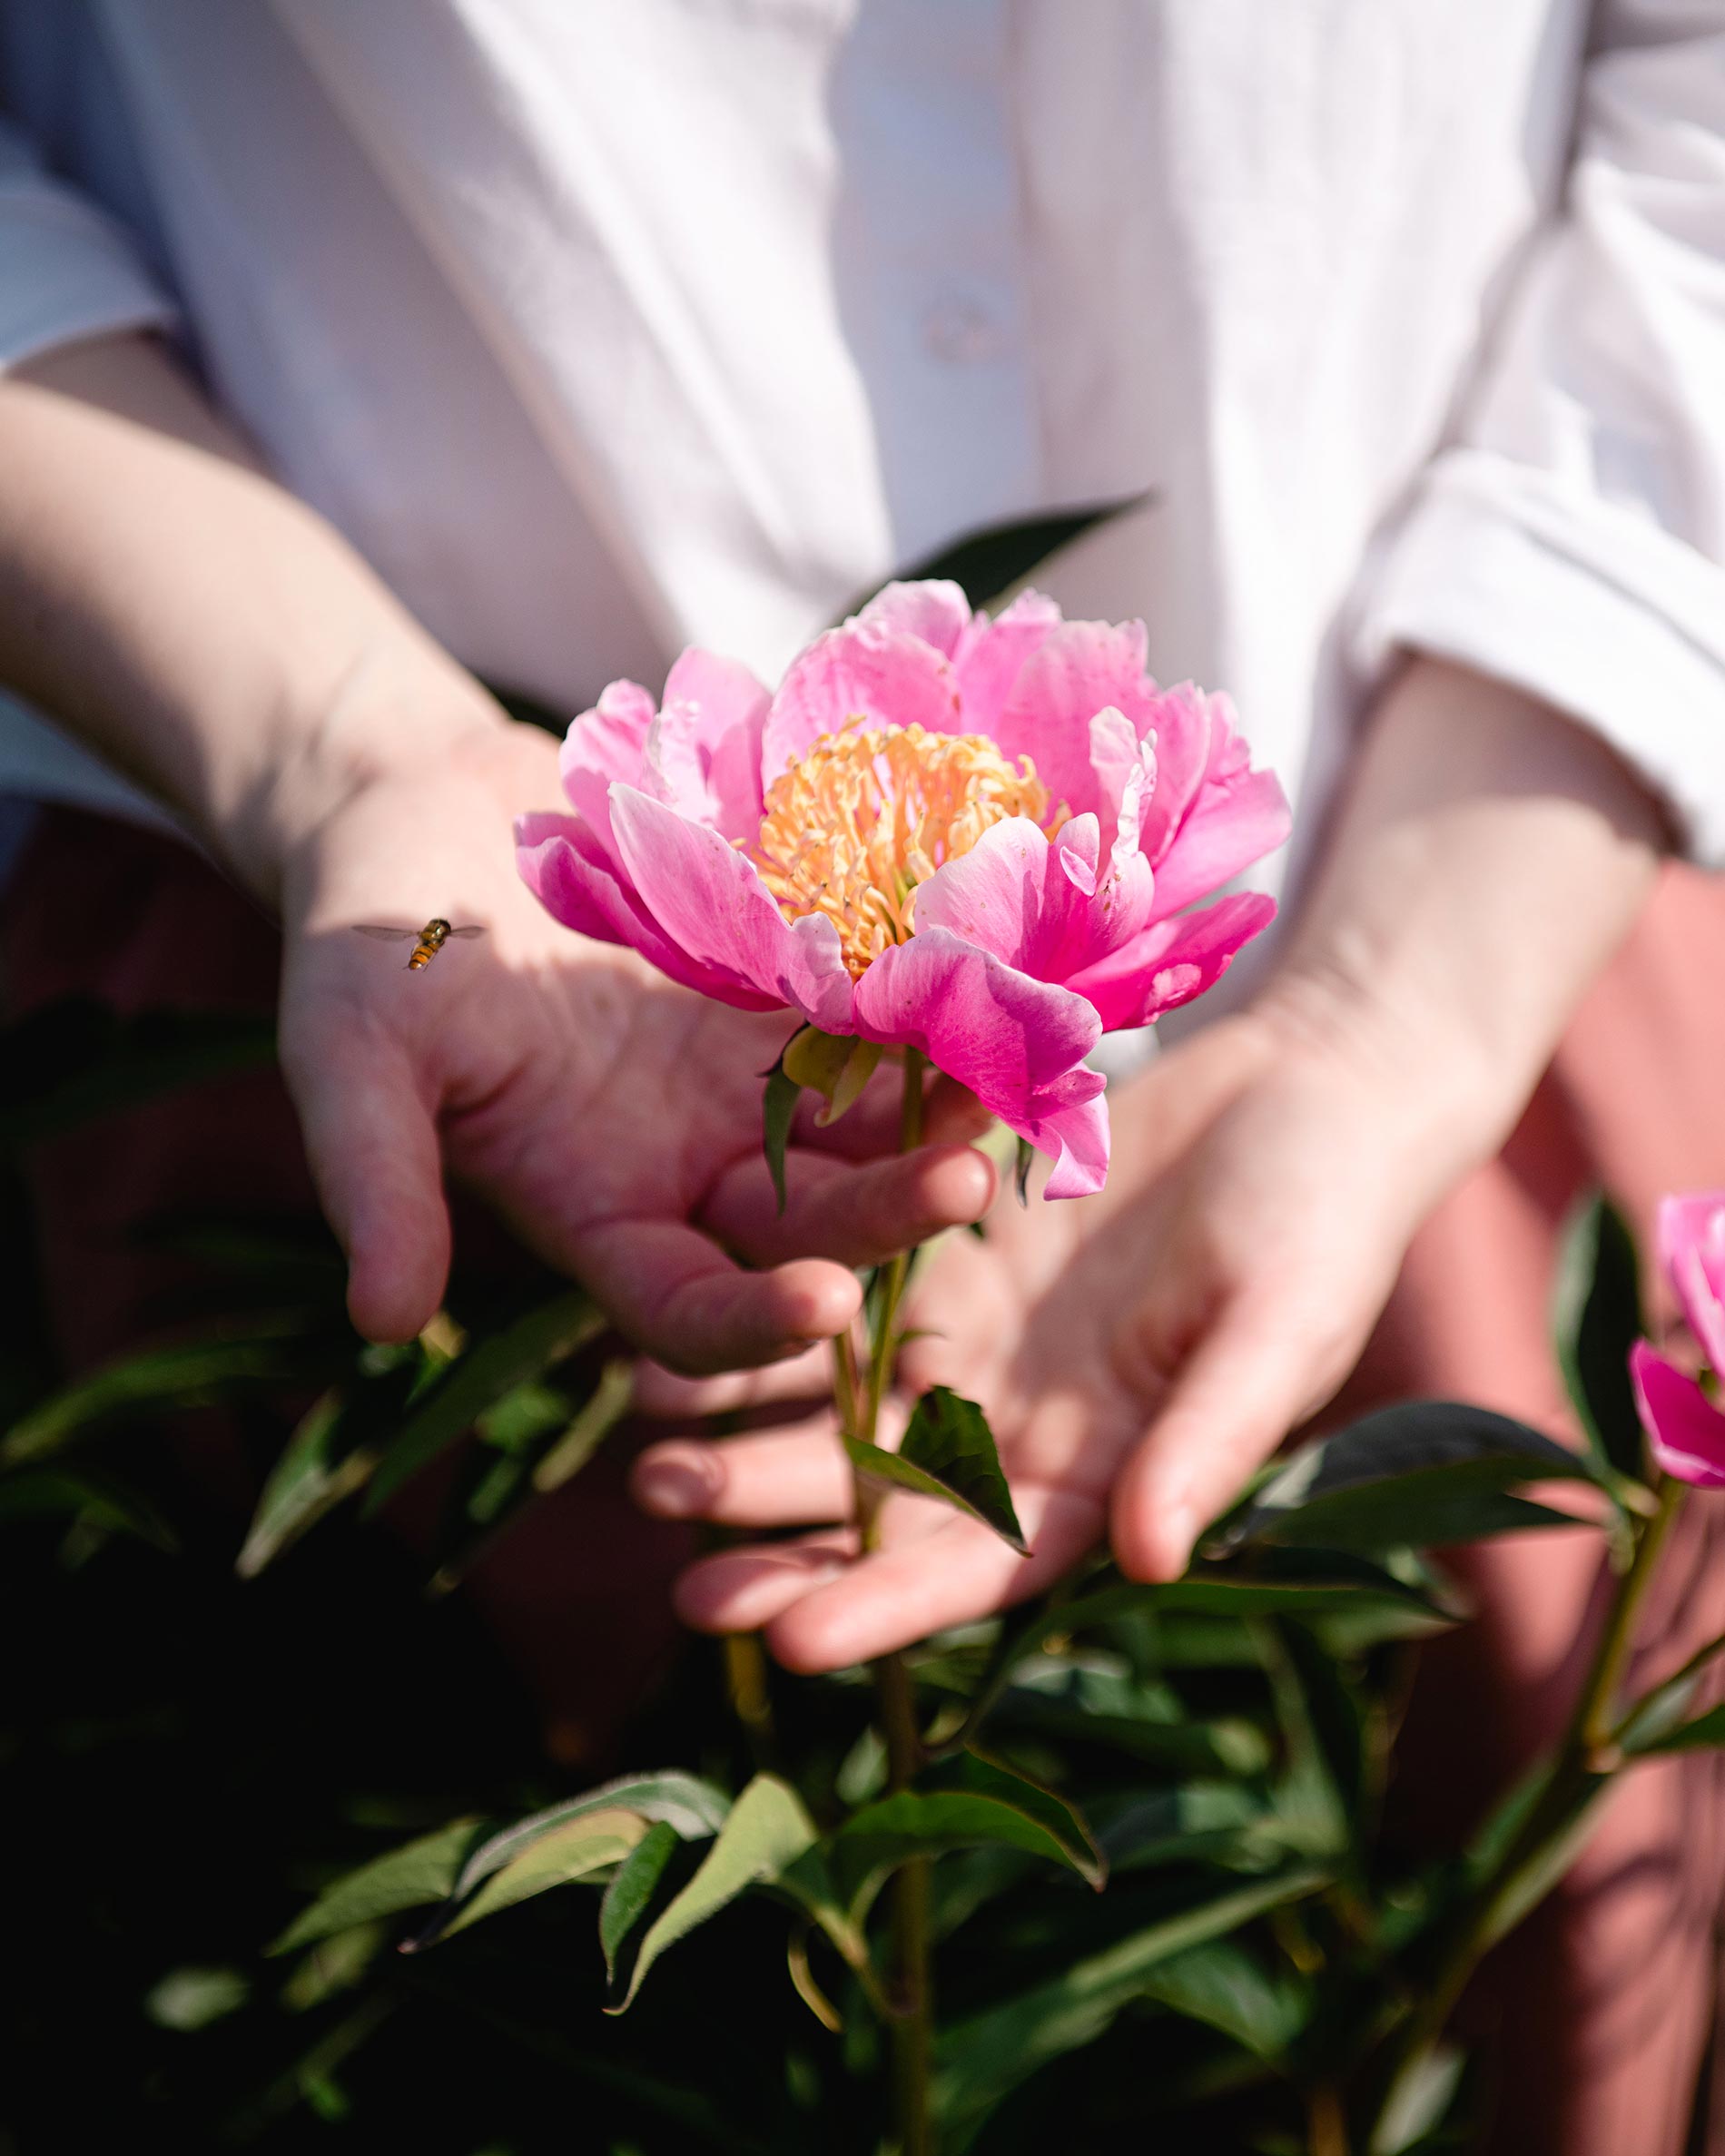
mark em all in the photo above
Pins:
pixel 67 271
pixel 1572 539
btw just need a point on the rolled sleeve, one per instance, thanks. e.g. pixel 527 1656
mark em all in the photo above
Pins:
pixel 67 271
pixel 1572 539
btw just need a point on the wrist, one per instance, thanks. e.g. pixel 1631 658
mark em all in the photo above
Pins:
pixel 393 718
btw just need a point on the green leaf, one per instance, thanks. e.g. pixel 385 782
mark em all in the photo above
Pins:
pixel 332 1452
pixel 589 1428
pixel 75 1060
pixel 835 1066
pixel 35 1493
pixel 1224 1985
pixel 693 1808
pixel 256 1352
pixel 1021 1167
pixel 422 1870
pixel 189 1999
pixel 948 1454
pixel 1596 1317
pixel 1426 1473
pixel 1706 1732
pixel 1658 1712
pixel 630 1892
pixel 1143 1829
pixel 449 1408
pixel 574 1851
pixel 778 1111
pixel 967 1804
pixel 986 562
pixel 980 2060
pixel 766 1833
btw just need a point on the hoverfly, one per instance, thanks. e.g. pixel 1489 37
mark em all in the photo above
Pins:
pixel 427 941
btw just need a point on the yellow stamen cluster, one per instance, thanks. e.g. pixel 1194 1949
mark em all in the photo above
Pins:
pixel 868 814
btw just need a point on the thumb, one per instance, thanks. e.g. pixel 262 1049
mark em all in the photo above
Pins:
pixel 1261 1368
pixel 372 1146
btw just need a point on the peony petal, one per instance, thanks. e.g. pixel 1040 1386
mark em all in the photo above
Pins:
pixel 1036 906
pixel 996 652
pixel 702 755
pixel 1079 668
pixel 1017 1044
pixel 935 610
pixel 1688 1237
pixel 566 870
pixel 1171 961
pixel 883 676
pixel 1229 829
pixel 1684 1428
pixel 608 742
pixel 710 901
pixel 1186 724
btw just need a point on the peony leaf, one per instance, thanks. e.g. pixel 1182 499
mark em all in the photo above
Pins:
pixel 978 2061
pixel 1021 1170
pixel 766 1833
pixel 948 1454
pixel 778 1109
pixel 1596 1316
pixel 1423 1474
pixel 628 1897
pixel 570 1852
pixel 969 1802
pixel 986 563
pixel 545 1334
pixel 420 1871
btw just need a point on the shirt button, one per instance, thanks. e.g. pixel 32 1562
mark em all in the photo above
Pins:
pixel 962 333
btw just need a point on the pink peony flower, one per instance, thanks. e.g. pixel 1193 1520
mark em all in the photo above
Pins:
pixel 1689 1235
pixel 974 837
pixel 1684 1428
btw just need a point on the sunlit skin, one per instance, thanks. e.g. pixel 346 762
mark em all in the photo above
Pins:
pixel 1141 1351
pixel 613 1119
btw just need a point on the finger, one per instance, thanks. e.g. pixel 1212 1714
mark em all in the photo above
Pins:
pixel 664 1397
pixel 798 1477
pixel 740 1590
pixel 954 1573
pixel 677 1295
pixel 1253 1376
pixel 374 1155
pixel 856 1215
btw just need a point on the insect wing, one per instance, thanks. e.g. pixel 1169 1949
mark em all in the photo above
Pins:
pixel 375 928
pixel 469 931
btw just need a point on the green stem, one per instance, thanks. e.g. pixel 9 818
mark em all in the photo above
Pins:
pixel 1584 1757
pixel 859 1397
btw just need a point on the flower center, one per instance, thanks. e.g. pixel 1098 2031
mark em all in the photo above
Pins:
pixel 867 815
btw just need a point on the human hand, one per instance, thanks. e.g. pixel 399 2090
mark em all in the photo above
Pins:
pixel 614 1120
pixel 1139 1352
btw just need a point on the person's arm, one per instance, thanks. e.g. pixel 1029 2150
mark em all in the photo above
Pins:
pixel 1140 1352
pixel 205 631
pixel 163 598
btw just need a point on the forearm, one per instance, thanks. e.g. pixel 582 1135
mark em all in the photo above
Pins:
pixel 1487 859
pixel 201 628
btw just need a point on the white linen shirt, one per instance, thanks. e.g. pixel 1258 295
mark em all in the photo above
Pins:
pixel 603 326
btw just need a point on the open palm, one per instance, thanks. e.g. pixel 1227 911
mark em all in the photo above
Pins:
pixel 1137 1353
pixel 614 1120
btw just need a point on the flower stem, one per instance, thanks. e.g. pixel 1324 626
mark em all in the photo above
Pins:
pixel 859 1395
pixel 1585 1757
